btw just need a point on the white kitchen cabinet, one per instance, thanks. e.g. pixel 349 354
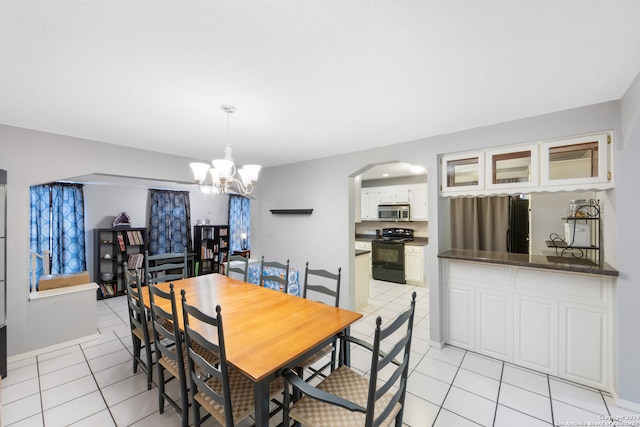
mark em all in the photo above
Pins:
pixel 579 163
pixel 583 355
pixel 512 168
pixel 460 316
pixel 369 201
pixel 536 333
pixel 418 202
pixel 494 326
pixel 394 194
pixel 582 162
pixel 554 322
pixel 362 267
pixel 463 172
pixel 414 264
pixel 359 244
pixel 415 195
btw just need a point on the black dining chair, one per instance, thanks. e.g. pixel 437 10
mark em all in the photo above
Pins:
pixel 281 280
pixel 322 286
pixel 169 350
pixel 218 388
pixel 141 330
pixel 346 397
pixel 240 266
pixel 165 267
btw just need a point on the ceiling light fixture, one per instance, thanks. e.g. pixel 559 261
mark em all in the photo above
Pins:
pixel 223 172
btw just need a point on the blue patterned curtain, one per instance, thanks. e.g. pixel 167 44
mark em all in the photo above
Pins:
pixel 169 222
pixel 57 225
pixel 239 223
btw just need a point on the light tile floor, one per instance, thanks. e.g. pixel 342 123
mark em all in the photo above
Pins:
pixel 92 384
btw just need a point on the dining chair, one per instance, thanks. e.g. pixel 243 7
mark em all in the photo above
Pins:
pixel 346 397
pixel 169 349
pixel 270 276
pixel 141 330
pixel 220 389
pixel 322 286
pixel 242 268
pixel 165 267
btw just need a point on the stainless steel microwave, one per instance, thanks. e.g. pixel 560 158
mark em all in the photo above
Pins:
pixel 393 213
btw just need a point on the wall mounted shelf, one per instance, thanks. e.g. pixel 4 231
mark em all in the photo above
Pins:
pixel 292 211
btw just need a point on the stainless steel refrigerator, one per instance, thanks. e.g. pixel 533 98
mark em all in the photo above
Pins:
pixel 518 230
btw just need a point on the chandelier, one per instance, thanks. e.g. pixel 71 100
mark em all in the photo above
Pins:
pixel 223 172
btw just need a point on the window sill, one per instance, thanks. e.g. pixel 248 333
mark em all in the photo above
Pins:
pixel 53 293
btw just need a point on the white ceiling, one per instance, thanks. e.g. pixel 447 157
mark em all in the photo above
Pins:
pixel 309 78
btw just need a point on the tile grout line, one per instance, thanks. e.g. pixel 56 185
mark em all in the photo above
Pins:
pixel 553 421
pixel 441 406
pixel 99 388
pixel 495 413
pixel 40 390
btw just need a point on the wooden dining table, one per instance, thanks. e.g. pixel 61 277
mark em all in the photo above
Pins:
pixel 264 330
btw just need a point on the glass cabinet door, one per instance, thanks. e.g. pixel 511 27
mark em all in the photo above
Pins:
pixel 512 168
pixel 576 161
pixel 463 172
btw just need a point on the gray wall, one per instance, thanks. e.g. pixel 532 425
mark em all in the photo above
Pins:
pixel 628 284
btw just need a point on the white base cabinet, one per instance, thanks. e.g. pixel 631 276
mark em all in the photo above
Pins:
pixel 584 357
pixel 414 262
pixel 367 247
pixel 536 329
pixel 554 322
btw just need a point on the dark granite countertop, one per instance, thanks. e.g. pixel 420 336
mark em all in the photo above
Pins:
pixel 576 265
pixel 417 241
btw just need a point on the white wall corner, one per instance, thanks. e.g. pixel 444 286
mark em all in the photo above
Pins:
pixel 630 115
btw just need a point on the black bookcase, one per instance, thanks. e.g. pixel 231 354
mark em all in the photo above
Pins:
pixel 211 244
pixel 112 247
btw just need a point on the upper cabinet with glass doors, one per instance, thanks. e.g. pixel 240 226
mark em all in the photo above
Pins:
pixel 463 172
pixel 572 164
pixel 577 161
pixel 515 167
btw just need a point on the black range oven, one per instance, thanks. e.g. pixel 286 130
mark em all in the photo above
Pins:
pixel 387 254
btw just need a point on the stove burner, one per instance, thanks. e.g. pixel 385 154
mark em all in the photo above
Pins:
pixel 395 235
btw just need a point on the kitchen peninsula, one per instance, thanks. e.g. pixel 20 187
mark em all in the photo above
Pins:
pixel 550 314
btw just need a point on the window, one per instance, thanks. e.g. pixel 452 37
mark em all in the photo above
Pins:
pixel 169 222
pixel 239 223
pixel 57 226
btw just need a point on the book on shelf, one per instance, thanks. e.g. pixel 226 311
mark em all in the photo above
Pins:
pixel 135 237
pixel 107 290
pixel 121 243
pixel 135 261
